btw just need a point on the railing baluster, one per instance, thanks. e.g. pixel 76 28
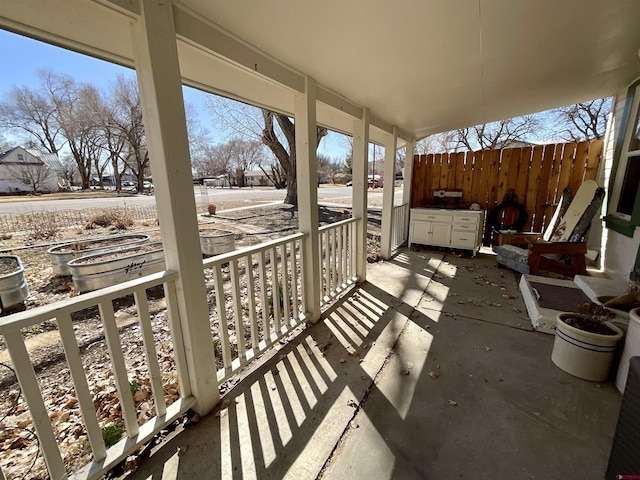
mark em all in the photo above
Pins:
pixel 285 285
pixel 155 376
pixel 339 257
pixel 179 350
pixel 255 334
pixel 345 253
pixel 119 368
pixel 303 291
pixel 237 308
pixel 294 280
pixel 81 386
pixel 352 253
pixel 275 290
pixel 32 395
pixel 332 260
pixel 321 264
pixel 327 267
pixel 263 296
pixel 223 329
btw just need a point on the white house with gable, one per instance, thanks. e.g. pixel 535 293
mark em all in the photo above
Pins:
pixel 24 172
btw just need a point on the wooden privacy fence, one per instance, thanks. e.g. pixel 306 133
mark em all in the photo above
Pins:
pixel 537 174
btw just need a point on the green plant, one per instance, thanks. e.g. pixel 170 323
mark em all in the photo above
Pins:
pixel 134 385
pixel 111 434
pixel 591 317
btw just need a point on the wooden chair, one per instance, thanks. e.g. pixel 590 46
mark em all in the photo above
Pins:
pixel 562 252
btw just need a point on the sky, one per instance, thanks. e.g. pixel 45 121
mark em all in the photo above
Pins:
pixel 22 57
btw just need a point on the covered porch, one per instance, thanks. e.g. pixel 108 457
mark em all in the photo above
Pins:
pixel 394 323
pixel 437 374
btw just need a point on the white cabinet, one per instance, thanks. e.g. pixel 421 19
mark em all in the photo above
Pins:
pixel 447 228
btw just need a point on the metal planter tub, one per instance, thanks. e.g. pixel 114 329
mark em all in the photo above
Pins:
pixel 100 270
pixel 214 241
pixel 13 286
pixel 61 255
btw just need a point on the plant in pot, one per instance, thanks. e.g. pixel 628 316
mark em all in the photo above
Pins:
pixel 586 342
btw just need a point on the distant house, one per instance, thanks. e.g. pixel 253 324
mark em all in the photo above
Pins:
pixel 257 178
pixel 21 171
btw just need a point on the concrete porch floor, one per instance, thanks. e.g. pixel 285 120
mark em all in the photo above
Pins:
pixel 428 370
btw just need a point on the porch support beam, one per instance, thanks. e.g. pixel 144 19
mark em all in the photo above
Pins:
pixel 159 82
pixel 360 165
pixel 307 177
pixel 407 181
pixel 388 194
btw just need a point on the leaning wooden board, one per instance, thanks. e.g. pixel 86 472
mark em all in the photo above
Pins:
pixel 578 206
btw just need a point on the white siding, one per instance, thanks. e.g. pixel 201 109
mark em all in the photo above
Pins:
pixel 618 252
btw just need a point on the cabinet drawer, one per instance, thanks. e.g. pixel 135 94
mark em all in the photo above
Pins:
pixel 463 239
pixel 431 217
pixel 466 218
pixel 465 227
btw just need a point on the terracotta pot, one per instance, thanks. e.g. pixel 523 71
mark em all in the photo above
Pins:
pixel 631 348
pixel 584 354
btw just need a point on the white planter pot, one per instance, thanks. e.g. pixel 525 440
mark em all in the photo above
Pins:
pixel 583 354
pixel 631 348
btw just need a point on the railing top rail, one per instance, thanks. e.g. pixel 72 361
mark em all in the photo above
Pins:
pixel 337 224
pixel 243 252
pixel 37 315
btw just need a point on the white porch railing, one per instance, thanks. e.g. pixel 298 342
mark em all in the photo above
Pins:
pixel 399 233
pixel 257 295
pixel 337 258
pixel 137 431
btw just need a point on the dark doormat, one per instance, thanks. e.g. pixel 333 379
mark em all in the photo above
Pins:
pixel 555 297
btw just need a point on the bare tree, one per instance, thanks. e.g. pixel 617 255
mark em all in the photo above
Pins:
pixel 34 113
pixel 500 134
pixel 126 119
pixel 582 121
pixel 276 131
pixel 246 155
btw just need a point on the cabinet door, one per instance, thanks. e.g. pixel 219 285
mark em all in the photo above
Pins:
pixel 420 232
pixel 441 233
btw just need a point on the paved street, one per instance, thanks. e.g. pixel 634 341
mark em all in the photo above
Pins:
pixel 202 194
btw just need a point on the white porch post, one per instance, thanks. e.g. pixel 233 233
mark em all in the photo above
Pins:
pixel 407 182
pixel 307 177
pixel 388 193
pixel 360 165
pixel 160 88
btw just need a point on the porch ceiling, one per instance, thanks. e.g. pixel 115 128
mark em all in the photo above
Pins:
pixel 423 65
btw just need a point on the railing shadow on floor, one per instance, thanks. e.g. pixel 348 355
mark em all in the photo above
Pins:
pixel 332 364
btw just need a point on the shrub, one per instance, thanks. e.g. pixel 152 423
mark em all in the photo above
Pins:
pixel 42 226
pixel 119 219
